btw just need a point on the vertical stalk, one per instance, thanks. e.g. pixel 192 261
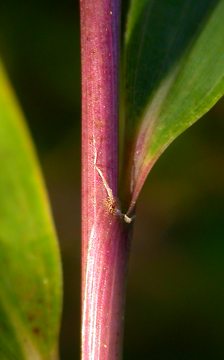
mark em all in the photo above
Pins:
pixel 105 236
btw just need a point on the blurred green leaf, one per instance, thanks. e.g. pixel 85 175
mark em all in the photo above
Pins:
pixel 174 73
pixel 30 270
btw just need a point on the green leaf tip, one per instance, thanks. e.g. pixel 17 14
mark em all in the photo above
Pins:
pixel 30 267
pixel 174 73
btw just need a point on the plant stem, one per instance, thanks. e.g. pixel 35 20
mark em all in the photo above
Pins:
pixel 105 236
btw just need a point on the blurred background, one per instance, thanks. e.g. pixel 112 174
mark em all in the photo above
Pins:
pixel 175 300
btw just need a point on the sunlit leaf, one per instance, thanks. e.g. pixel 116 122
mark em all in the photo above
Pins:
pixel 30 271
pixel 174 73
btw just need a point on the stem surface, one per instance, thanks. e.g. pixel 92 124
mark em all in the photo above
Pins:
pixel 105 236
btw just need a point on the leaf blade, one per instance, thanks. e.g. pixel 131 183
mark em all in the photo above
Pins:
pixel 167 75
pixel 30 291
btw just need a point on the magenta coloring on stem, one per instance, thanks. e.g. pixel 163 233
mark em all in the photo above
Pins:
pixel 105 236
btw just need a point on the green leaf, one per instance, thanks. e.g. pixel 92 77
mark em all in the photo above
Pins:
pixel 30 270
pixel 174 73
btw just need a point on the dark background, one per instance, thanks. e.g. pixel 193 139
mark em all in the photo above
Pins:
pixel 175 302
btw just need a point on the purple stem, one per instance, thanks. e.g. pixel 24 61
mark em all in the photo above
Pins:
pixel 105 236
